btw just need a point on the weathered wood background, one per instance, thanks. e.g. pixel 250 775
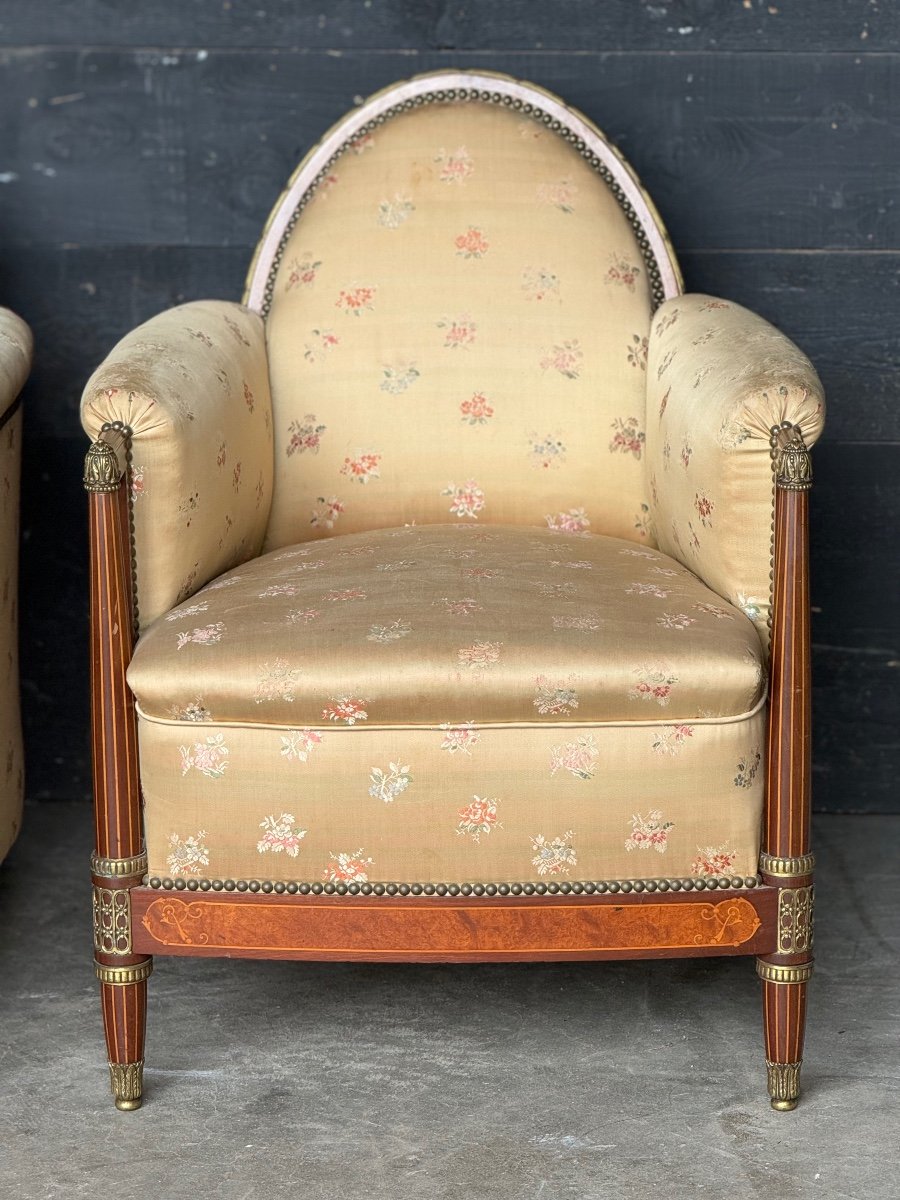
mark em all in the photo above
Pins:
pixel 142 145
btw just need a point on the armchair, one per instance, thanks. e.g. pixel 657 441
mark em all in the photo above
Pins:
pixel 15 361
pixel 449 599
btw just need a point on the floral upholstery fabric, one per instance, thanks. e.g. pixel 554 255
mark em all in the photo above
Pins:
pixel 719 377
pixel 15 360
pixel 393 698
pixel 193 386
pixel 459 329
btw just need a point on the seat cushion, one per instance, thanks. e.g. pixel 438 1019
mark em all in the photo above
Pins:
pixel 450 703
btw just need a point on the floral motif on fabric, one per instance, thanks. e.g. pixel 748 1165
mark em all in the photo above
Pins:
pixel 714 610
pixel 647 589
pixel 476 410
pixel 326 512
pixel 325 187
pixel 302 271
pixel 747 769
pixel 194 710
pixel 587 624
pixel 394 213
pixel 204 635
pixel 634 552
pixel 732 434
pixel 574 520
pixel 559 194
pixel 622 272
pixel 277 681
pixel 249 398
pixel 280 589
pixel 223 583
pixel 479 655
pixel 348 709
pixel 554 698
pixel 667 359
pixel 573 564
pixel 341 594
pixel 305 435
pixel 389 633
pixel 675 621
pixel 539 283
pixel 210 758
pixel 456 166
pixel 481 572
pixel 356 300
pixel 363 467
pixel 564 357
pixel 655 683
pixel 280 835
pixel 459 332
pixel 200 336
pixel 555 857
pixel 459 739
pixel 137 482
pixel 362 143
pixel 546 451
pixel 187 855
pixel 556 590
pixel 637 351
pixel 460 608
pixel 628 437
pixel 713 304
pixel 191 611
pixel 401 564
pixel 686 451
pixel 714 860
pixel 388 785
pixel 643 522
pixel 322 343
pixel 664 401
pixel 466 500
pixel 348 868
pixel 478 818
pixel 666 322
pixel 236 331
pixel 298 744
pixel 670 739
pixel 397 378
pixel 221 454
pixel 649 833
pixel 472 243
pixel 749 606
pixel 236 477
pixel 579 758
pixel 704 507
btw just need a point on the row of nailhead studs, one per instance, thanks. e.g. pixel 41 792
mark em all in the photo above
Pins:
pixel 454 889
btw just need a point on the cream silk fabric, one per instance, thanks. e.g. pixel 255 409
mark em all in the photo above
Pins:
pixel 572 700
pixel 193 386
pixel 719 378
pixel 459 328
pixel 15 360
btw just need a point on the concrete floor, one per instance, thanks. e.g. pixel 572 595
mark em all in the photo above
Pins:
pixel 587 1081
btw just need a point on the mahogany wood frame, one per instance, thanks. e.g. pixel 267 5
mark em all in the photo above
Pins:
pixel 133 921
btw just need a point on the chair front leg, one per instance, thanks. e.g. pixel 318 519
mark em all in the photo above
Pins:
pixel 119 861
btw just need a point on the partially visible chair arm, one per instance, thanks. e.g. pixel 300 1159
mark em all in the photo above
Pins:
pixel 719 378
pixel 192 385
pixel 15 358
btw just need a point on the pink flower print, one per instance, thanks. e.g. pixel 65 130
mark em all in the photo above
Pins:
pixel 298 744
pixel 647 589
pixel 205 635
pixel 686 451
pixel 581 624
pixel 456 167
pixel 194 710
pixel 547 451
pixel 479 655
pixel 642 521
pixel 388 785
pixel 188 507
pixel 478 818
pixel 201 337
pixel 362 143
pixel 137 483
pixel 655 683
pixel 348 868
pixel 236 331
pixel 714 860
pixel 394 213
pixel 280 836
pixel 345 708
pixel 466 500
pixel 672 738
pixel 622 272
pixel 326 186
pixel 459 739
pixel 627 436
pixel 631 552
pixel 398 378
pixel 575 520
pixel 236 477
pixel 553 857
pixel 356 299
pixel 747 769
pixel 675 621
pixel 481 572
pixel 210 758
pixel 222 583
pixel 539 282
pixel 314 564
pixel 714 610
pixel 565 357
pixel 637 351
pixel 277 681
pixel 578 757
pixel 221 455
pixel 302 272
pixel 664 400
pixel 191 611
pixel 560 194
pixel 353 593
pixel 667 454
pixel 401 564
pixel 554 699
pixel 389 633
pixel 460 331
pixel 303 616
pixel 556 590
pixel 704 507
pixel 326 512
pixel 575 564
pixel 187 855
pixel 472 243
pixel 649 833
pixel 460 608
pixel 363 467
pixel 248 397
pixel 711 304
pixel 666 572
pixel 305 435
pixel 476 411
pixel 279 589
pixel 693 540
pixel 322 343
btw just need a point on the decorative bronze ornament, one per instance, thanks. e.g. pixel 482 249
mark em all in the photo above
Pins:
pixel 787 868
pixel 795 920
pixel 102 470
pixel 793 465
pixel 119 976
pixel 784 1084
pixel 112 921
pixel 119 868
pixel 127 1083
pixel 771 973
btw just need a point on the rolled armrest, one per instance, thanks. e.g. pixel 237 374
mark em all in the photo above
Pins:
pixel 718 379
pixel 15 357
pixel 192 385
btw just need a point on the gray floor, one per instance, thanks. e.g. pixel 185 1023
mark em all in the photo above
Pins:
pixel 448 1083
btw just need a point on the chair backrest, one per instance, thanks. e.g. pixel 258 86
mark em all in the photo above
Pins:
pixel 458 285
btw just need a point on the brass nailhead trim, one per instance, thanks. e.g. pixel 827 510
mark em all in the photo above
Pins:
pixel 787 867
pixel 119 868
pixel 775 974
pixel 122 975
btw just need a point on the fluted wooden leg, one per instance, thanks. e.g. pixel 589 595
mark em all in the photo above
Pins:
pixel 784 1014
pixel 124 1023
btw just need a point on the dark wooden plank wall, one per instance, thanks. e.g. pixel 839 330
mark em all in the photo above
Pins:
pixel 141 146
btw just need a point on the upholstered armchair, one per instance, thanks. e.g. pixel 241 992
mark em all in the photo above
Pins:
pixel 449 596
pixel 15 362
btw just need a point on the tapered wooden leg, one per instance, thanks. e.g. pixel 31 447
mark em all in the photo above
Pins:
pixel 124 1023
pixel 784 1014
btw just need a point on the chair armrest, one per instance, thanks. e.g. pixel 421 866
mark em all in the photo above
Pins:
pixel 192 385
pixel 718 379
pixel 15 358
